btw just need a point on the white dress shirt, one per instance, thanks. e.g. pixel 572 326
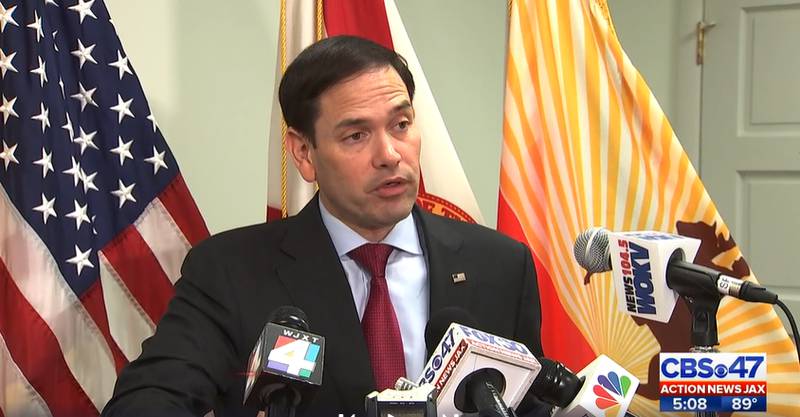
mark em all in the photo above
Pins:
pixel 406 276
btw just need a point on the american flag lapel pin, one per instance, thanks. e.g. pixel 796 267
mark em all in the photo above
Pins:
pixel 459 277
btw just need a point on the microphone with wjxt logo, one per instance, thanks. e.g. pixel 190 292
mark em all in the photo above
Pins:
pixel 285 366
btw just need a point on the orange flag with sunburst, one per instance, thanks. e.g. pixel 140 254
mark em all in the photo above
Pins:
pixel 585 143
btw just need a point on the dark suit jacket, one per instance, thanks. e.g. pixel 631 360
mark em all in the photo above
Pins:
pixel 233 281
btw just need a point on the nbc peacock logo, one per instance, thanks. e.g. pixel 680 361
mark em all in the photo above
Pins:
pixel 609 390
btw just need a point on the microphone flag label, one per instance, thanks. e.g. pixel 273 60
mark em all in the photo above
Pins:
pixel 283 353
pixel 292 353
pixel 464 350
pixel 713 382
pixel 607 391
pixel 639 262
pixel 609 387
pixel 293 356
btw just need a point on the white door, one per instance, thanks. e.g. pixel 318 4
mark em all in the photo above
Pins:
pixel 750 133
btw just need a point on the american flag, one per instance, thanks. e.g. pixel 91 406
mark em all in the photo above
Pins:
pixel 95 218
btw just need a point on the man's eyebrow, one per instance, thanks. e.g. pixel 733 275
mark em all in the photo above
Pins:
pixel 350 122
pixel 405 105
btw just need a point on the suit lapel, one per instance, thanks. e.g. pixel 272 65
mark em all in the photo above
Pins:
pixel 316 283
pixel 441 246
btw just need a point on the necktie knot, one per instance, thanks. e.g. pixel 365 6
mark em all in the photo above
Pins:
pixel 372 257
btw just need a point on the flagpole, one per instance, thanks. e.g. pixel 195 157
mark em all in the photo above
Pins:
pixel 319 23
pixel 603 5
pixel 320 20
pixel 282 40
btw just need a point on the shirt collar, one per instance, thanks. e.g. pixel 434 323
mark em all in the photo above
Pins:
pixel 403 235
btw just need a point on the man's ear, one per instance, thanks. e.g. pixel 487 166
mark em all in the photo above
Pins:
pixel 300 149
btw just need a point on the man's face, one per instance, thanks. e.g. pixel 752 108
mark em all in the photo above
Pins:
pixel 366 159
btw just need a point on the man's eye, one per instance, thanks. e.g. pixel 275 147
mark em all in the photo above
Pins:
pixel 356 136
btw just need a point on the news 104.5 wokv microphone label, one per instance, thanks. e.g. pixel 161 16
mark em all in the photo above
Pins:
pixel 713 382
pixel 639 262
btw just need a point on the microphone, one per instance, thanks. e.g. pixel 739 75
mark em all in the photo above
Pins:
pixel 649 271
pixel 407 399
pixel 285 366
pixel 602 388
pixel 474 371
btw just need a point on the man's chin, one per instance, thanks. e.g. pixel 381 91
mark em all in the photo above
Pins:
pixel 391 214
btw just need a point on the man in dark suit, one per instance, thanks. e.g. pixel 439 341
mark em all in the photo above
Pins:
pixel 347 102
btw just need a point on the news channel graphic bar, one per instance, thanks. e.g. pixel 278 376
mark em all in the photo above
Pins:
pixel 720 404
pixel 713 381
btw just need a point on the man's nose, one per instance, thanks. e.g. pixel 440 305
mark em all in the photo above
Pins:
pixel 385 153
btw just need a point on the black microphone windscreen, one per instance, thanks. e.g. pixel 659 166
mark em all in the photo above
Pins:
pixel 290 316
pixel 555 384
pixel 441 320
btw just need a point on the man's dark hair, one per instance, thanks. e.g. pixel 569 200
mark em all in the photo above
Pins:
pixel 325 64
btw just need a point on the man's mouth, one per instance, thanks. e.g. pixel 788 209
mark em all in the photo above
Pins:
pixel 392 187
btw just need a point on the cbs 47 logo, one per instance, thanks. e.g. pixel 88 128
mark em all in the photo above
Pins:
pixel 713 366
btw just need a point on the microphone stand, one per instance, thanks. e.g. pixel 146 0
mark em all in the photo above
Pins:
pixel 281 403
pixel 702 297
pixel 491 405
pixel 704 330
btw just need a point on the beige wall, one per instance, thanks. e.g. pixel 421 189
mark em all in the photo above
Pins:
pixel 461 47
pixel 208 69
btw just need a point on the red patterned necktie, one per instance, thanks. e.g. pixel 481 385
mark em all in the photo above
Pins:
pixel 381 330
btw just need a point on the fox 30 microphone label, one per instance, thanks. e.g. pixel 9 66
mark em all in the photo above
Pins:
pixel 713 382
